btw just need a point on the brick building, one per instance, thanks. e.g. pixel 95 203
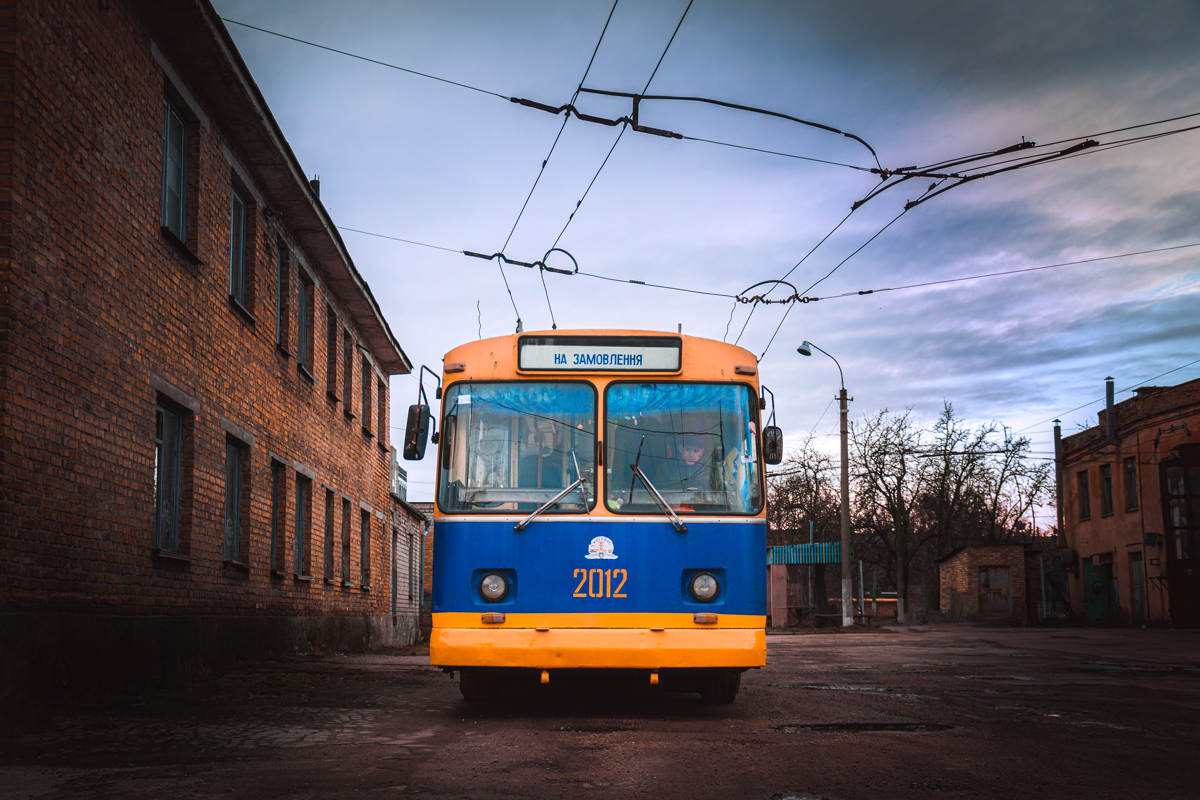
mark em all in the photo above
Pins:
pixel 426 508
pixel 193 374
pixel 984 582
pixel 1131 509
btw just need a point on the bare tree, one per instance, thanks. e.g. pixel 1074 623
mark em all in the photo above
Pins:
pixel 801 491
pixel 1012 485
pixel 890 480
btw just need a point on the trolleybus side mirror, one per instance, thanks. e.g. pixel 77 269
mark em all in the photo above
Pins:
pixel 772 444
pixel 772 436
pixel 416 433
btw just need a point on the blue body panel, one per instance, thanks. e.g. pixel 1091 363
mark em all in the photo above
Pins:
pixel 543 563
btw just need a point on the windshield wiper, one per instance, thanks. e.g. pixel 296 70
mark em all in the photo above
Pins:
pixel 521 525
pixel 637 471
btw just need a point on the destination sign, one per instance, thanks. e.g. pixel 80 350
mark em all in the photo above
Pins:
pixel 600 353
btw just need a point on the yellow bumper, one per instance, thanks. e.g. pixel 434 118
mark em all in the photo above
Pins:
pixel 630 641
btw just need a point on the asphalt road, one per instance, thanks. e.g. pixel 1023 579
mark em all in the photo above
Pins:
pixel 917 712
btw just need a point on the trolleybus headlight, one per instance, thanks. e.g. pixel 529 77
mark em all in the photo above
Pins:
pixel 704 587
pixel 493 587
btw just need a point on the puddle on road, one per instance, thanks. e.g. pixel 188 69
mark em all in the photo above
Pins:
pixel 1112 666
pixel 868 726
pixel 828 687
pixel 598 727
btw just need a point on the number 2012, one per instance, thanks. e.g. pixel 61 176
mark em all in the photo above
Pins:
pixel 599 582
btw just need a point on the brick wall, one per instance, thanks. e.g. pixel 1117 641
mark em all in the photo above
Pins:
pixel 102 316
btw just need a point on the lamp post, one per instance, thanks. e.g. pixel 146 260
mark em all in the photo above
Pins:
pixel 805 349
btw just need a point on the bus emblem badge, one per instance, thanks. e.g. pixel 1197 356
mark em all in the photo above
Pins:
pixel 600 547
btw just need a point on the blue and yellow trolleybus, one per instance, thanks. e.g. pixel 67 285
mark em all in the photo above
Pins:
pixel 600 504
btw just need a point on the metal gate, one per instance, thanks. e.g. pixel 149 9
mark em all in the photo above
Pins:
pixel 995 591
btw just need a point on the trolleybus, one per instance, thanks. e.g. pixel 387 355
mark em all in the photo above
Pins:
pixel 600 505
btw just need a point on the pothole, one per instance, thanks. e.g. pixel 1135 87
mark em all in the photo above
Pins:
pixel 860 727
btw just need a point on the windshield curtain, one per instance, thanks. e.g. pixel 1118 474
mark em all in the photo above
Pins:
pixel 508 447
pixel 698 445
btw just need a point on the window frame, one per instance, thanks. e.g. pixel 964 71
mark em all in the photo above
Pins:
pixel 238 245
pixel 760 465
pixel 171 542
pixel 444 442
pixel 1106 490
pixel 234 542
pixel 180 219
pixel 306 291
pixel 381 412
pixel 332 327
pixel 1131 484
pixel 283 281
pixel 348 373
pixel 364 549
pixel 302 527
pixel 330 500
pixel 367 383
pixel 346 534
pixel 278 514
pixel 1083 489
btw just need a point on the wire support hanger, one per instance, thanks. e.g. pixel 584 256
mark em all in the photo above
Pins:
pixel 539 264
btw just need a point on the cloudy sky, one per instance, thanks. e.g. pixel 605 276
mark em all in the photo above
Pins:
pixel 409 157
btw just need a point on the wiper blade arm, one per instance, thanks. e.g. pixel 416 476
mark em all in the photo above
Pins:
pixel 520 526
pixel 675 520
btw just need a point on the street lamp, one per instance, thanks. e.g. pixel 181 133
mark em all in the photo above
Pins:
pixel 805 349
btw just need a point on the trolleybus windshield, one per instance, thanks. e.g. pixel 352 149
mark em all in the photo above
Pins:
pixel 696 443
pixel 512 446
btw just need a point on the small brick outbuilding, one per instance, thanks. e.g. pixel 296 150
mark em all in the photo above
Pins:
pixel 984 582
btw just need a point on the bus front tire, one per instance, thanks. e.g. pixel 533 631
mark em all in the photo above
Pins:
pixel 476 685
pixel 722 686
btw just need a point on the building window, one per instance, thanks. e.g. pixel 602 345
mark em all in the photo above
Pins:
pixel 1106 494
pixel 367 386
pixel 347 373
pixel 1085 500
pixel 278 513
pixel 364 550
pixel 282 293
pixel 331 352
pixel 412 568
pixel 329 535
pixel 174 172
pixel 345 540
pixel 235 501
pixel 168 469
pixel 237 249
pixel 1131 485
pixel 304 323
pixel 381 413
pixel 301 565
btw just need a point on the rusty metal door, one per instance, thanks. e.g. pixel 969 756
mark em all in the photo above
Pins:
pixel 995 591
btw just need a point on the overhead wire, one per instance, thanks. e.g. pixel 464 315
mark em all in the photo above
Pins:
pixel 794 268
pixel 364 58
pixel 836 267
pixel 1130 388
pixel 1007 272
pixel 542 170
pixel 624 126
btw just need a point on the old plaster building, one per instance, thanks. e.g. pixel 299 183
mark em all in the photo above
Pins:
pixel 194 399
pixel 1131 509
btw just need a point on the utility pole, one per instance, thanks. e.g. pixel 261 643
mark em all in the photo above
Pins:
pixel 805 349
pixel 847 607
